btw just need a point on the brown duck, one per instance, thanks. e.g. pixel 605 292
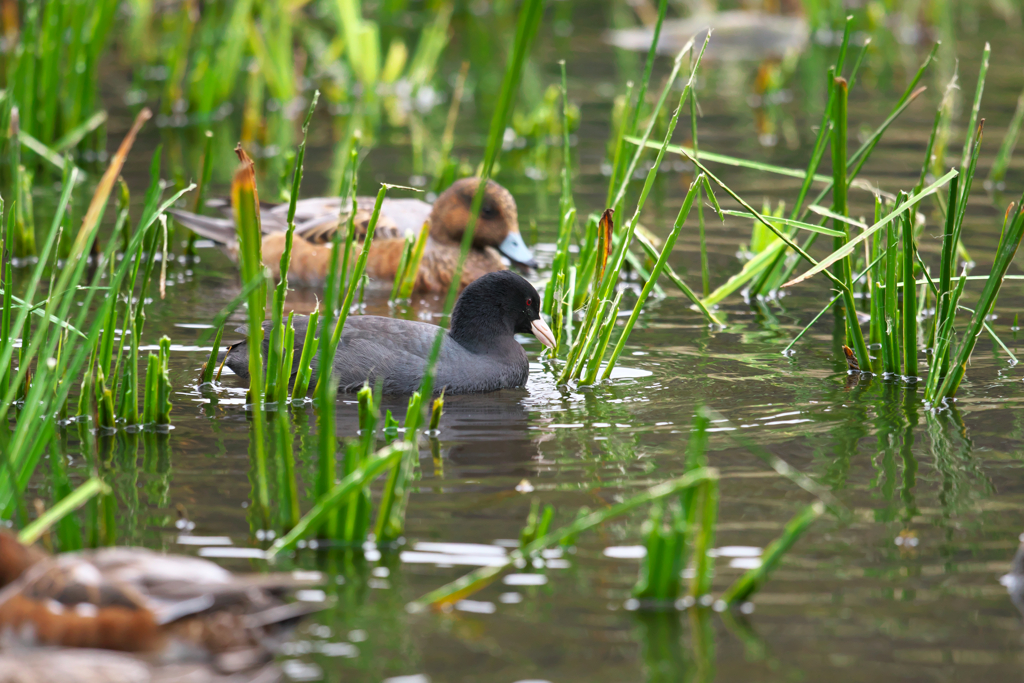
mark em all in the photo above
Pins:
pixel 75 665
pixel 170 608
pixel 317 220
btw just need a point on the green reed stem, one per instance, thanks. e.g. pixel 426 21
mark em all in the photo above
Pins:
pixel 339 493
pixel 623 178
pixel 69 503
pixel 1009 244
pixel 670 242
pixel 705 273
pixel 390 522
pixel 909 299
pixel 305 371
pixel 435 414
pixel 163 402
pixel 703 520
pixel 7 283
pixel 611 271
pixel 970 144
pixel 603 337
pixel 211 363
pixel 567 209
pixel 284 368
pixel 246 206
pixel 412 268
pixel 274 391
pixel 662 566
pixel 530 14
pixel 913 200
pixel 890 340
pixel 632 120
pixel 844 274
pixel 360 266
pixel 288 487
pixel 748 584
pixel 400 273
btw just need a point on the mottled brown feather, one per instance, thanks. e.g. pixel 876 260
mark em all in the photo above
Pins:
pixel 15 558
pixel 311 251
pixel 114 598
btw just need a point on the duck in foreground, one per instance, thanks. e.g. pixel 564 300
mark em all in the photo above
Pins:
pixel 74 665
pixel 317 220
pixel 169 608
pixel 479 353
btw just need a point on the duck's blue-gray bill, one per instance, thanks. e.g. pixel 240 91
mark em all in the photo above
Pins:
pixel 516 250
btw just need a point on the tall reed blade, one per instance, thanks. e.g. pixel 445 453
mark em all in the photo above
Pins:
pixel 890 338
pixel 748 584
pixel 844 271
pixel 276 391
pixel 670 242
pixel 246 206
pixel 1009 243
pixel 304 373
pixel 530 14
pixel 909 300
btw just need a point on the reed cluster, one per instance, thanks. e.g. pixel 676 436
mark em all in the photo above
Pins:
pixel 256 56
pixel 680 531
pixel 891 244
pixel 57 347
pixel 342 510
pixel 50 75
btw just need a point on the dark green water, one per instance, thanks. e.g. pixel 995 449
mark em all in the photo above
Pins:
pixel 849 603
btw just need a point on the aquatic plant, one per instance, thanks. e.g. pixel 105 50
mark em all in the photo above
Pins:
pixel 900 255
pixel 51 78
pixel 57 349
pixel 342 517
pixel 680 529
pixel 599 266
pixel 157 398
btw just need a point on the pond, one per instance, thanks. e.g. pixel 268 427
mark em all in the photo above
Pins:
pixel 906 588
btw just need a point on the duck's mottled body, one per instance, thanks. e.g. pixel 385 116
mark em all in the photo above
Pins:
pixel 64 665
pixel 318 219
pixel 171 607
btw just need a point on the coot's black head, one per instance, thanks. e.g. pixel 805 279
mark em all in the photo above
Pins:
pixel 497 306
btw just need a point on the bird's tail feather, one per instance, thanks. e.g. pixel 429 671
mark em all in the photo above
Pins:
pixel 220 230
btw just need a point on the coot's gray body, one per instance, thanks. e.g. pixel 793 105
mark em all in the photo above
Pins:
pixel 478 354
pixel 395 353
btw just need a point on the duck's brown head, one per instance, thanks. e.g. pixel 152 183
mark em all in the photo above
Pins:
pixel 15 557
pixel 497 225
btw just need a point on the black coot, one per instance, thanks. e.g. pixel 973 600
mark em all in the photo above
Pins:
pixel 479 352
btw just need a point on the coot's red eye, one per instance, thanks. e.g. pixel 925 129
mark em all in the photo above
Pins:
pixel 529 302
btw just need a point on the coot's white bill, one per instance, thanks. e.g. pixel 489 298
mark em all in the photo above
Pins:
pixel 543 333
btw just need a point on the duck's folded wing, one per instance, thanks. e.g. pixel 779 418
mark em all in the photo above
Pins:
pixel 318 220
pixel 407 215
pixel 321 230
